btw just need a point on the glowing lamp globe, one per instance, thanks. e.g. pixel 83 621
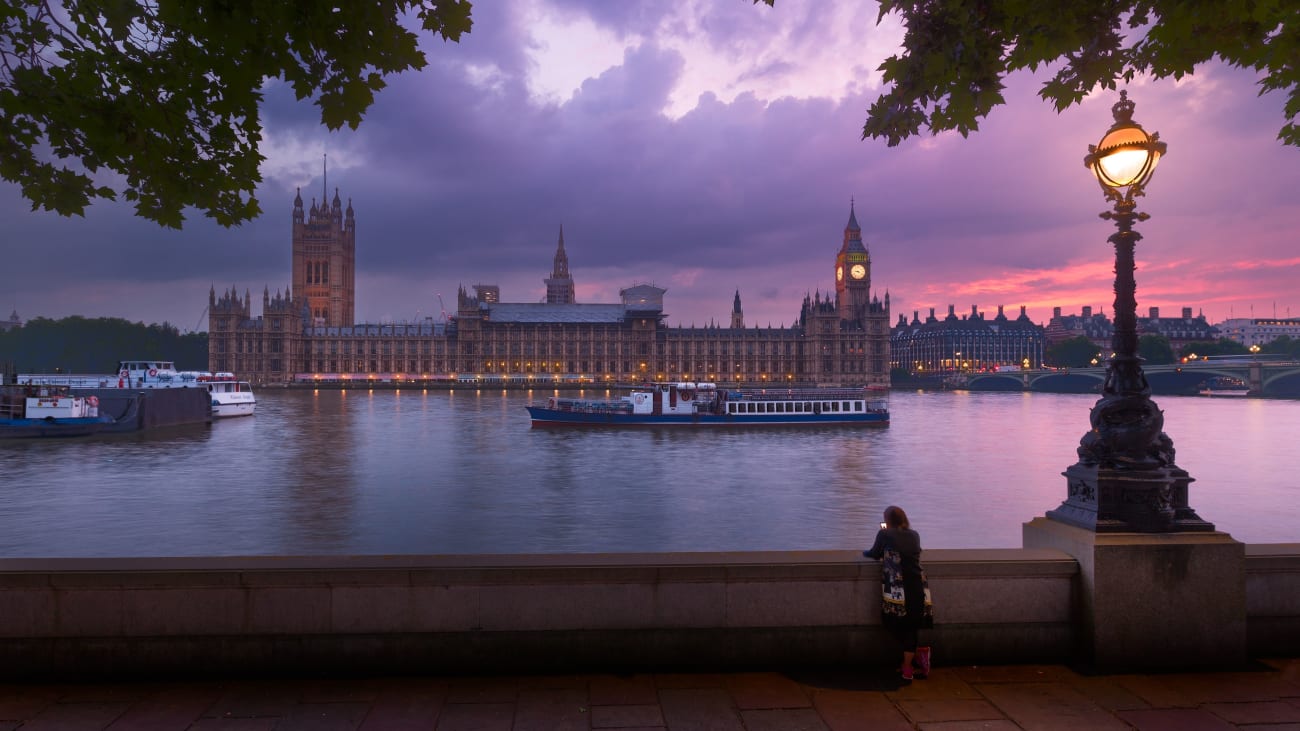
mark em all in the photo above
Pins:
pixel 1126 156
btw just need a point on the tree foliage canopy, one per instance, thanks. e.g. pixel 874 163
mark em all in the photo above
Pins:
pixel 1155 350
pixel 1222 346
pixel 1075 352
pixel 161 96
pixel 956 53
pixel 95 345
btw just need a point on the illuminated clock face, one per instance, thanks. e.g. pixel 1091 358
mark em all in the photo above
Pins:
pixel 858 271
pixel 839 273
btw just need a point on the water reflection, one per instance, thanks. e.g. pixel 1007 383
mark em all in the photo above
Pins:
pixel 343 472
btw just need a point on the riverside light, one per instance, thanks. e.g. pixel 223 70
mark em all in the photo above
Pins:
pixel 1126 479
pixel 1126 156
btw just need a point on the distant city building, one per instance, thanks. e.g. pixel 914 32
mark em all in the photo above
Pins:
pixel 840 340
pixel 1093 326
pixel 13 323
pixel 967 343
pixel 1098 328
pixel 1261 331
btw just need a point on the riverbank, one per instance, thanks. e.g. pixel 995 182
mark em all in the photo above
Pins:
pixel 565 613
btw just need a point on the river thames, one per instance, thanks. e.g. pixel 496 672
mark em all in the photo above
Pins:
pixel 411 472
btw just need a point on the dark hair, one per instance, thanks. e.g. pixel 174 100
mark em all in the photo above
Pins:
pixel 896 518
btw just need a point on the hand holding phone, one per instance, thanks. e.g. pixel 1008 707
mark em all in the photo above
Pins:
pixel 883 525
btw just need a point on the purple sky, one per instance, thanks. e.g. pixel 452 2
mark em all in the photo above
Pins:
pixel 706 147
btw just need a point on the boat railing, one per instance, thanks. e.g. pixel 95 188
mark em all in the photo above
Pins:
pixel 13 397
pixel 71 380
pixel 804 394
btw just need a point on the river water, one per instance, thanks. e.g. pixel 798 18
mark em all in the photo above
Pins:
pixel 410 472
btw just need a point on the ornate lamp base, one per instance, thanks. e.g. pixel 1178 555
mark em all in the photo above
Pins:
pixel 1110 500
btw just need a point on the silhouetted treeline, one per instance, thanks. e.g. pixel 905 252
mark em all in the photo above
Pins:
pixel 82 345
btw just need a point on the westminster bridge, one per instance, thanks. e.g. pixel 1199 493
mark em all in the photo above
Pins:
pixel 1277 379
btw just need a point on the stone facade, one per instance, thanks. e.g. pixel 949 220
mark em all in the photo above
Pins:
pixel 967 343
pixel 324 261
pixel 841 340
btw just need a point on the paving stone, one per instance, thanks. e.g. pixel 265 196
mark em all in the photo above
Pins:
pixel 1255 712
pixel 943 684
pixel 625 716
pixel 107 692
pixel 325 717
pixel 482 690
pixel 252 700
pixel 170 708
pixel 21 702
pixel 552 681
pixel 783 719
pixel 622 690
pixel 1174 719
pixel 69 716
pixel 1049 707
pixel 1014 673
pixel 234 724
pixel 925 711
pixel 476 717
pixel 340 690
pixel 970 726
pixel 1189 690
pixel 406 705
pixel 1108 694
pixel 699 709
pixel 557 709
pixel 690 680
pixel 849 710
pixel 766 690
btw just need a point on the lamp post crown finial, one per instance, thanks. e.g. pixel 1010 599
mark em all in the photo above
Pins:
pixel 1123 109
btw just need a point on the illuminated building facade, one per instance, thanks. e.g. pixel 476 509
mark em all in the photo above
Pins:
pixel 840 340
pixel 967 343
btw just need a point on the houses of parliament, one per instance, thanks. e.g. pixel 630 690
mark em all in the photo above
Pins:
pixel 307 333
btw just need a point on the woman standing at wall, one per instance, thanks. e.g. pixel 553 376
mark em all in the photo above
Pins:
pixel 905 596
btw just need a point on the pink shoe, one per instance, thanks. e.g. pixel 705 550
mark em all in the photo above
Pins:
pixel 922 662
pixel 907 674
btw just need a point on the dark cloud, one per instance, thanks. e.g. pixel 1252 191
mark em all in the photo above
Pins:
pixel 459 175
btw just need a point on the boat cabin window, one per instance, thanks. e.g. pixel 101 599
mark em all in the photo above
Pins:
pixel 857 405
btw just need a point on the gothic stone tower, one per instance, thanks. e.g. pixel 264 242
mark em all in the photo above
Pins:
pixel 559 286
pixel 852 274
pixel 225 314
pixel 737 314
pixel 324 261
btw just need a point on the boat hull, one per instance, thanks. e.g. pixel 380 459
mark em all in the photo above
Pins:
pixel 546 417
pixel 44 428
pixel 233 404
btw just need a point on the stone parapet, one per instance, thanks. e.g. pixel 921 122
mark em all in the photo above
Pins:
pixel 515 613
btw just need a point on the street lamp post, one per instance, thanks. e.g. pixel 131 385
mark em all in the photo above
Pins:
pixel 1126 479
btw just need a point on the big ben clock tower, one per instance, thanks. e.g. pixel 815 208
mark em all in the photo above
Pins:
pixel 852 274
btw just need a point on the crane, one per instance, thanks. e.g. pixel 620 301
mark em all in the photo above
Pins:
pixel 443 307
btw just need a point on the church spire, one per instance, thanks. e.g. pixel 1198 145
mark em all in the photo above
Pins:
pixel 853 233
pixel 559 286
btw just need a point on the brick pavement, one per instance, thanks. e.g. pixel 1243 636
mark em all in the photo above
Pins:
pixel 993 698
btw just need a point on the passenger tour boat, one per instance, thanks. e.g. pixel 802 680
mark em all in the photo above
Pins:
pixel 704 404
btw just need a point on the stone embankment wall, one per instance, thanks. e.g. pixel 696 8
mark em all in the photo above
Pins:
pixel 549 613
